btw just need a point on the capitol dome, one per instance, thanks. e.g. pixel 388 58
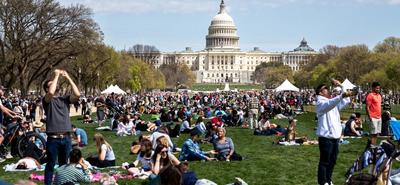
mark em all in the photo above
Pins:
pixel 222 33
pixel 222 18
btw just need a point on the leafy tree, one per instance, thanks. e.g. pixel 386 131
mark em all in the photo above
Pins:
pixel 277 75
pixel 145 77
pixel 390 44
pixel 272 74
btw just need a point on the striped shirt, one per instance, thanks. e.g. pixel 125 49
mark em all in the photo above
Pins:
pixel 225 148
pixel 254 103
pixel 69 173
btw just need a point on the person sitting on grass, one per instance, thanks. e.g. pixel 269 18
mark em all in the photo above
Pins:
pixel 122 128
pixel 224 148
pixel 87 119
pixel 162 133
pixel 70 173
pixel 351 126
pixel 211 134
pixel 185 127
pixel 165 167
pixel 142 165
pixel 217 120
pixel 291 130
pixel 130 126
pixel 200 126
pixel 191 150
pixel 105 155
pixel 81 136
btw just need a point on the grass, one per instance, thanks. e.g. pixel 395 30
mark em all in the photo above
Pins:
pixel 221 86
pixel 263 162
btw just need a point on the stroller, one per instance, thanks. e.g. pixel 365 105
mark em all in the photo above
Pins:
pixel 373 167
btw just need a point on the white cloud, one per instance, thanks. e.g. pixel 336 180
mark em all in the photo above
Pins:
pixel 190 6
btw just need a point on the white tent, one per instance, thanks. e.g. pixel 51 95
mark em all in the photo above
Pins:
pixel 108 90
pixel 287 86
pixel 118 90
pixel 113 89
pixel 347 85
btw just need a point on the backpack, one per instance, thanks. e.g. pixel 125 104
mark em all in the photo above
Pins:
pixel 362 179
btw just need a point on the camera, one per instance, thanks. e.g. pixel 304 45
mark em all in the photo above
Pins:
pixel 355 90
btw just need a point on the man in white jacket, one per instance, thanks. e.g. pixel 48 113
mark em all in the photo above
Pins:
pixel 329 129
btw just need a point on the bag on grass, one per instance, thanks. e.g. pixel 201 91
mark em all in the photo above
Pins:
pixel 362 179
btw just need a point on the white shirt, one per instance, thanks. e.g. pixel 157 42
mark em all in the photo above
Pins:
pixel 156 135
pixel 202 128
pixel 109 152
pixel 185 125
pixel 329 125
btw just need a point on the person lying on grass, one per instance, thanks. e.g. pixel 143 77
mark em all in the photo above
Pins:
pixel 28 163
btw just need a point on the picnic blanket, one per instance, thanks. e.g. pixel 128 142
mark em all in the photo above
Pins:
pixel 96 177
pixel 105 128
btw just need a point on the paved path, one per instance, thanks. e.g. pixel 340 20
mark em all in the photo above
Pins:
pixel 72 112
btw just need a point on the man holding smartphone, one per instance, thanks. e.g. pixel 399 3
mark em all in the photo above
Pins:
pixel 58 124
pixel 329 129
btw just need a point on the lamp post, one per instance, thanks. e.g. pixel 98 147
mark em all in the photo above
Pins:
pixel 79 77
pixel 98 82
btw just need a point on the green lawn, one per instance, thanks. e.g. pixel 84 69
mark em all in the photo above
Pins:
pixel 263 162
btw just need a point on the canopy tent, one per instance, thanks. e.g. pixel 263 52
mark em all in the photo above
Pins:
pixel 347 85
pixel 108 90
pixel 287 86
pixel 113 89
pixel 118 90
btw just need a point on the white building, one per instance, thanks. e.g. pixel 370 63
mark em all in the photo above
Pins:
pixel 222 58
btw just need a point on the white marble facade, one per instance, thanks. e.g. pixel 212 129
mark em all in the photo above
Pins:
pixel 222 58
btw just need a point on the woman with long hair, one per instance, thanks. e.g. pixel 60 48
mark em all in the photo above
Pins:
pixel 105 155
pixel 165 167
pixel 142 165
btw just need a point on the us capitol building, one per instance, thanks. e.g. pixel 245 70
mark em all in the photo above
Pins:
pixel 222 58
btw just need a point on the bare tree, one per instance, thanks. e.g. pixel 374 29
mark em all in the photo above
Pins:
pixel 146 53
pixel 38 35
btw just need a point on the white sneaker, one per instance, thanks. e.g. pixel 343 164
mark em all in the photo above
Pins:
pixel 9 156
pixel 2 160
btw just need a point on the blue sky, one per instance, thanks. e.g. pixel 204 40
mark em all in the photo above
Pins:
pixel 272 25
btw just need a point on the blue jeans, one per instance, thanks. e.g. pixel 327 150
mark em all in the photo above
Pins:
pixel 56 149
pixel 154 179
pixel 328 151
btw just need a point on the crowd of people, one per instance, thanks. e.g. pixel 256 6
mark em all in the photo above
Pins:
pixel 199 117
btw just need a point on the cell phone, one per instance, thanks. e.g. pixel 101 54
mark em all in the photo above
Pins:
pixel 355 90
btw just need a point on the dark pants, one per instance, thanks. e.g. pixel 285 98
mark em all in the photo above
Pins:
pixel 328 152
pixel 56 149
pixel 94 161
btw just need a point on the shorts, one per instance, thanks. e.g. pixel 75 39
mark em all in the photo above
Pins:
pixel 376 126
